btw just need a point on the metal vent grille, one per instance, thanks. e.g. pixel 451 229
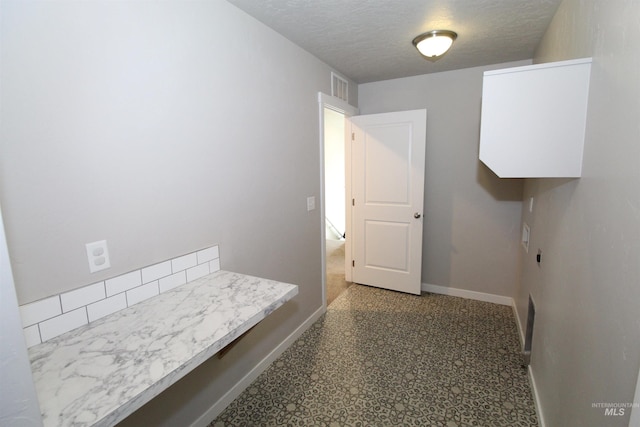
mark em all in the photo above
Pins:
pixel 528 338
pixel 339 87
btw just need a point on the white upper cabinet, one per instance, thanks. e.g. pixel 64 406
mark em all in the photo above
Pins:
pixel 533 119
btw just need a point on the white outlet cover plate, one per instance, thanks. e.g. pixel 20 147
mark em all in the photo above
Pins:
pixel 311 203
pixel 98 256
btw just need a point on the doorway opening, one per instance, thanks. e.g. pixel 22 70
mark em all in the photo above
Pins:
pixel 335 208
pixel 335 187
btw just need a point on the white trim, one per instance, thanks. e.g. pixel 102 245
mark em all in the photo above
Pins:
pixel 216 409
pixel 336 104
pixel 635 412
pixel 541 66
pixel 463 293
pixel 514 306
pixel 348 226
pixel 536 398
pixel 532 381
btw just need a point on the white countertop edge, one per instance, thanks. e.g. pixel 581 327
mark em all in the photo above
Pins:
pixel 236 301
pixel 147 395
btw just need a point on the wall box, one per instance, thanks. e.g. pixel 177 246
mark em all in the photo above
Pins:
pixel 533 119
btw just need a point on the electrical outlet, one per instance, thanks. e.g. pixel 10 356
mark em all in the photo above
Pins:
pixel 311 203
pixel 98 255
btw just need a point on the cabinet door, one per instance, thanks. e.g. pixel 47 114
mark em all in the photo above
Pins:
pixel 533 120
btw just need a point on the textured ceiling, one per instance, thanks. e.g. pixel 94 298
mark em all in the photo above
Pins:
pixel 370 40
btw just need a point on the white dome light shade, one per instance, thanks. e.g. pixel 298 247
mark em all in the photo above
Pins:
pixel 434 43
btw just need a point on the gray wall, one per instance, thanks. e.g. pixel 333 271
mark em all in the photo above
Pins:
pixel 162 127
pixel 472 217
pixel 585 345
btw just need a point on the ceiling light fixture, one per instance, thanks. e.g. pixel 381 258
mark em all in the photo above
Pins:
pixel 434 44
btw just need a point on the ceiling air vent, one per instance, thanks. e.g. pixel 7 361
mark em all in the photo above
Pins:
pixel 339 87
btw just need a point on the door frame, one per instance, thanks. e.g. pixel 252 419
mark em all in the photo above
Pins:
pixel 340 106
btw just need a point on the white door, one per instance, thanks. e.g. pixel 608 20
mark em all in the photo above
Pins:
pixel 387 187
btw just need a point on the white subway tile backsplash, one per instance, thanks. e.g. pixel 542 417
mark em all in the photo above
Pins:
pixel 32 335
pixel 39 311
pixel 64 323
pixel 207 255
pixel 142 293
pixel 53 316
pixel 184 262
pixel 82 296
pixel 172 281
pixel 197 272
pixel 106 306
pixel 123 283
pixel 154 272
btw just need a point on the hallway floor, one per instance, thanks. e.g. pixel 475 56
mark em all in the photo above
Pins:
pixel 336 284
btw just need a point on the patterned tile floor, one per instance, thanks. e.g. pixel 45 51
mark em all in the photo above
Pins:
pixel 382 358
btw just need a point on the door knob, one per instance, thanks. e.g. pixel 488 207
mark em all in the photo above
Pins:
pixel 416 215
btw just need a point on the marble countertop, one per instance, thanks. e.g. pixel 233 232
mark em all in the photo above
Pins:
pixel 100 373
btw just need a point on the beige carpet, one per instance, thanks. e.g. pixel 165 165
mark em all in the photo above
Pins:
pixel 335 270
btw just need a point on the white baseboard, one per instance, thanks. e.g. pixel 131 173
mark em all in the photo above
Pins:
pixel 463 293
pixel 532 380
pixel 518 324
pixel 216 409
pixel 536 398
